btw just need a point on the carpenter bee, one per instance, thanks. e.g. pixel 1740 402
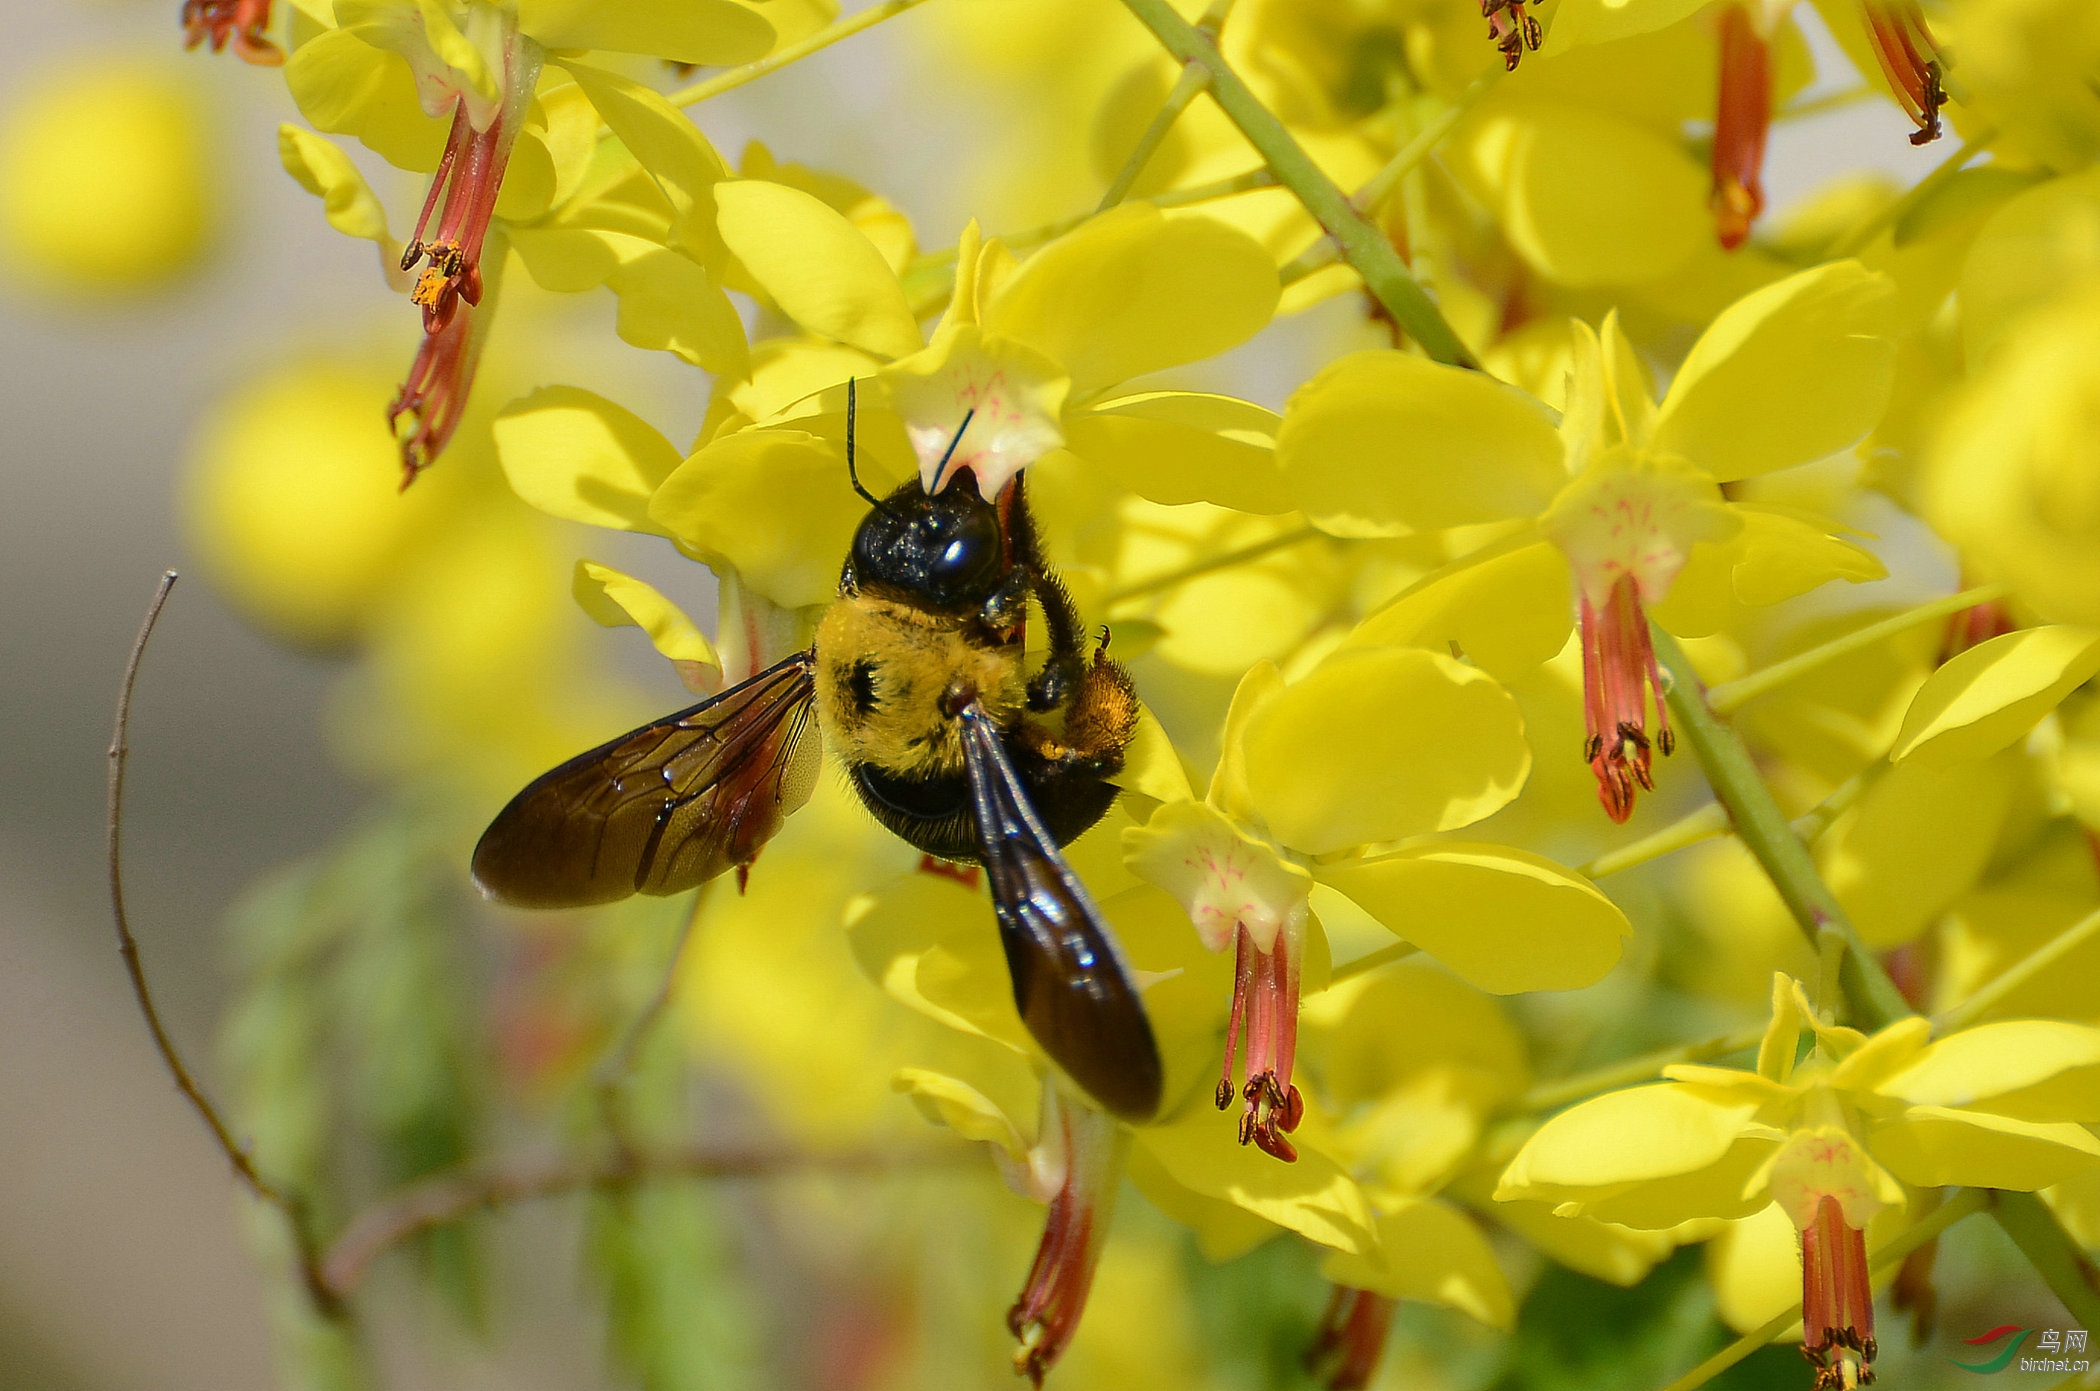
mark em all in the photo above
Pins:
pixel 918 683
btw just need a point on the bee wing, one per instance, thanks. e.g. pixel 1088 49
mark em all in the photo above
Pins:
pixel 1070 984
pixel 664 807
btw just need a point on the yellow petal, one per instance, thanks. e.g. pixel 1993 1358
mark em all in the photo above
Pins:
pixel 668 301
pixel 325 171
pixel 1755 1267
pixel 775 504
pixel 1635 514
pixel 1256 691
pixel 1605 1251
pixel 1583 22
pixel 1226 880
pixel 1627 1140
pixel 1429 1252
pixel 1917 839
pixel 978 401
pixel 822 270
pixel 1506 608
pixel 1133 291
pixel 1312 1197
pixel 614 600
pixel 1388 444
pixel 711 32
pixel 968 1112
pixel 1176 447
pixel 2031 1069
pixel 1817 341
pixel 1586 198
pixel 1382 743
pixel 583 458
pixel 1151 767
pixel 347 87
pixel 1384 1030
pixel 668 145
pixel 1992 694
pixel 1779 555
pixel 1504 920
pixel 1827 1162
pixel 1933 1146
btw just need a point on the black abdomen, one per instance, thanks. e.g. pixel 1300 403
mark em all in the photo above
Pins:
pixel 933 813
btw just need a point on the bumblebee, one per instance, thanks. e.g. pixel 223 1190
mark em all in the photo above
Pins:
pixel 919 683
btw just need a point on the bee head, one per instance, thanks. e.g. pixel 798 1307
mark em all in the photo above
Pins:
pixel 944 551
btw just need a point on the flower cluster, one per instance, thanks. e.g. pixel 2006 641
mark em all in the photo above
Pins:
pixel 1447 444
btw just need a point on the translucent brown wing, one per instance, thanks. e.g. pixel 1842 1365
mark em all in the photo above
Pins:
pixel 663 808
pixel 1070 984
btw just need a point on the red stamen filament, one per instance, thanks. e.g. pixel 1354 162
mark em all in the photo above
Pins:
pixel 1742 117
pixel 1837 1302
pixel 1910 61
pixel 1351 1338
pixel 1047 1314
pixel 1619 672
pixel 435 393
pixel 241 21
pixel 1265 1002
pixel 468 178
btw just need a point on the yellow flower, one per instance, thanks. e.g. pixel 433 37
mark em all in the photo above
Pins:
pixel 1625 490
pixel 1316 781
pixel 516 146
pixel 106 184
pixel 1832 1141
pixel 1034 348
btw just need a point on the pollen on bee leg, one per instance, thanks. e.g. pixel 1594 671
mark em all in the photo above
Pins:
pixel 1351 1339
pixel 1742 117
pixel 1619 675
pixel 1047 1314
pixel 1265 1007
pixel 240 22
pixel 1837 1300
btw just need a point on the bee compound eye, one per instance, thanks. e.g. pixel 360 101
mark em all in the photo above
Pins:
pixel 965 551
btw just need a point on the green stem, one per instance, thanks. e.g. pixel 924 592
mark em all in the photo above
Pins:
pixel 794 52
pixel 1206 566
pixel 1863 235
pixel 1711 820
pixel 1885 1259
pixel 1371 961
pixel 1551 1096
pixel 2068 1271
pixel 1732 695
pixel 1704 824
pixel 1380 185
pixel 1996 990
pixel 1362 245
pixel 1190 85
pixel 1763 828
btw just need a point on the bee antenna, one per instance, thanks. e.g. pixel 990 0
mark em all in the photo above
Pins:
pixel 853 474
pixel 963 429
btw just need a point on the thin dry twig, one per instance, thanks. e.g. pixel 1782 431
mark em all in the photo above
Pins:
pixel 286 1203
pixel 438 1201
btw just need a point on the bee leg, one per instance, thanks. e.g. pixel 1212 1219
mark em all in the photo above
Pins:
pixel 1064 671
pixel 1099 724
